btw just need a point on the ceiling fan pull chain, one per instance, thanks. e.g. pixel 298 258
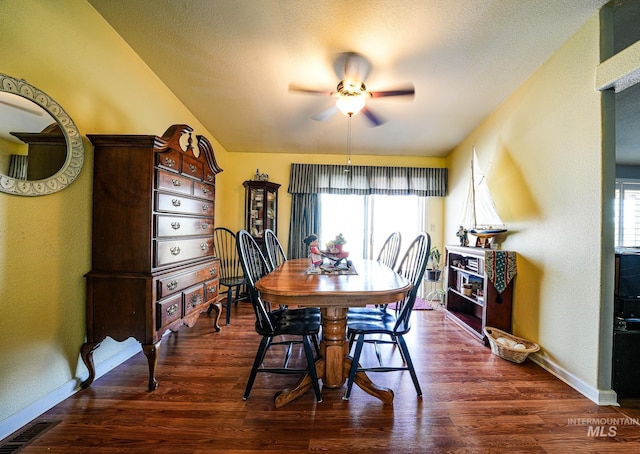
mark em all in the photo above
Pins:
pixel 349 142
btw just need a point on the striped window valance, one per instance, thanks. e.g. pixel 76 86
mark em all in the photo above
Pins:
pixel 363 180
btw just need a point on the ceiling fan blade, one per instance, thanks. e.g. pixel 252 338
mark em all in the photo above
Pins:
pixel 326 114
pixel 352 66
pixel 408 91
pixel 375 120
pixel 300 89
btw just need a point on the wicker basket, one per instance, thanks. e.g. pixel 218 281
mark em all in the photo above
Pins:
pixel 516 355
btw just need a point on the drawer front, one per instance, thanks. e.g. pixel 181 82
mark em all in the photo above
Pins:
pixel 183 205
pixel 203 190
pixel 168 310
pixel 193 299
pixel 213 269
pixel 211 290
pixel 169 160
pixel 173 182
pixel 177 282
pixel 208 176
pixel 171 226
pixel 192 167
pixel 168 252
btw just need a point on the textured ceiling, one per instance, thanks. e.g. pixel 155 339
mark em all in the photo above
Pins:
pixel 231 62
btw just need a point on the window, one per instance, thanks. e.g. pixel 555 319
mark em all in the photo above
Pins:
pixel 627 213
pixel 367 221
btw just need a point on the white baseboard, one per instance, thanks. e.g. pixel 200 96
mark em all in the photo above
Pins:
pixel 599 396
pixel 33 411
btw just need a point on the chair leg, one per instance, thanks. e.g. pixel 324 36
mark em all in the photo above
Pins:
pixel 235 300
pixel 405 354
pixel 352 337
pixel 311 364
pixel 260 354
pixel 396 344
pixel 229 299
pixel 354 366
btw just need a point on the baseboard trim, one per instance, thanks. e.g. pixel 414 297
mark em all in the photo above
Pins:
pixel 598 396
pixel 23 417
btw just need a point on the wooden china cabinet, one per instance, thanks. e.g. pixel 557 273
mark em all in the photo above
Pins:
pixel 153 265
pixel 261 208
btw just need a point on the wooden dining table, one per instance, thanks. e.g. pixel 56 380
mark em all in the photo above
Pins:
pixel 334 294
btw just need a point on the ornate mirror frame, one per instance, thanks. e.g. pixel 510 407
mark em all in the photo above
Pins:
pixel 75 149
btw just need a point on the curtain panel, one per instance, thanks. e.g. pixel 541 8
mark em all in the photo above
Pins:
pixel 306 181
pixel 304 220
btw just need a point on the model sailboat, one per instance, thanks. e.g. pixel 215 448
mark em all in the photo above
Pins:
pixel 480 217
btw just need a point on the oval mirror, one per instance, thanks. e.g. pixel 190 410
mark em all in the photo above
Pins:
pixel 41 150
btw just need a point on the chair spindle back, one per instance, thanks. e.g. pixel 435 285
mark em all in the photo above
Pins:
pixel 275 251
pixel 412 267
pixel 255 267
pixel 390 250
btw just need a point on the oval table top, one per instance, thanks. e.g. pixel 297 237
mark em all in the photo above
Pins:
pixel 374 283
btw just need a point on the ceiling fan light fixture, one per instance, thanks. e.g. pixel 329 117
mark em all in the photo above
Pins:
pixel 350 104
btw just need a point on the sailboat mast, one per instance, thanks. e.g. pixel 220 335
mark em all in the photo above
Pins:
pixel 473 189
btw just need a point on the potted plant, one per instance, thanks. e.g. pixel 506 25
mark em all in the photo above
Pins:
pixel 434 267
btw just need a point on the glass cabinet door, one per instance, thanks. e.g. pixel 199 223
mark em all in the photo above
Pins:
pixel 261 205
pixel 256 227
pixel 270 205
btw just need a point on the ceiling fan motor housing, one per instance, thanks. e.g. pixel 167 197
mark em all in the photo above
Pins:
pixel 350 88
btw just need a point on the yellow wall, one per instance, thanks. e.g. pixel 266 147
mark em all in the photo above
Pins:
pixel 78 60
pixel 75 57
pixel 542 152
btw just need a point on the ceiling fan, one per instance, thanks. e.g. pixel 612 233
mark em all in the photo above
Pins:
pixel 353 68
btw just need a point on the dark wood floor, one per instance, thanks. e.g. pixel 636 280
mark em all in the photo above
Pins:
pixel 473 402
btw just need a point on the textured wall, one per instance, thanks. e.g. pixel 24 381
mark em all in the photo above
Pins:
pixel 75 57
pixel 542 153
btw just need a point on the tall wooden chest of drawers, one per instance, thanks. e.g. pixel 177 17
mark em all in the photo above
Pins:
pixel 153 264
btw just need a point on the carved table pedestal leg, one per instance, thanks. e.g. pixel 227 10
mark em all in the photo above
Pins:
pixel 334 346
pixel 334 365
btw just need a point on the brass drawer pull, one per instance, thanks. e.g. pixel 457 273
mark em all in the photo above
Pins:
pixel 192 168
pixel 210 177
pixel 176 183
pixel 205 207
pixel 212 289
pixel 172 285
pixel 213 271
pixel 195 300
pixel 176 202
pixel 204 226
pixel 204 246
pixel 175 250
pixel 175 225
pixel 169 162
pixel 205 191
pixel 172 309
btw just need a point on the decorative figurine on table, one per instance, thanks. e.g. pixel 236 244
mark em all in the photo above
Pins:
pixel 335 246
pixel 314 250
pixel 462 235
